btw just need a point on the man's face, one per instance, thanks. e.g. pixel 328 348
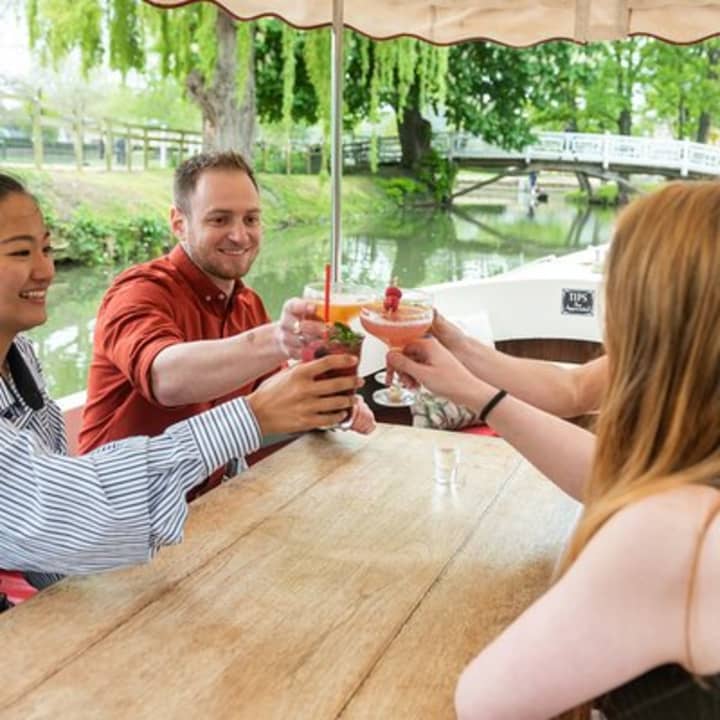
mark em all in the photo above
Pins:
pixel 222 230
pixel 26 265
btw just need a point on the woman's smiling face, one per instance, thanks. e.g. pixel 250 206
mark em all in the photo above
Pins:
pixel 26 265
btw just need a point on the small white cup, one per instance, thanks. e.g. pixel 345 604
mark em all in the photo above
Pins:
pixel 446 460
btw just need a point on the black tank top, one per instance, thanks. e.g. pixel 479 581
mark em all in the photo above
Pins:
pixel 668 692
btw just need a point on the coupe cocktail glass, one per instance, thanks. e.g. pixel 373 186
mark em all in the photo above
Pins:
pixel 346 299
pixel 397 328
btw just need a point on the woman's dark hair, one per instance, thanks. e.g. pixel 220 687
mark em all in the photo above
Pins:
pixel 11 186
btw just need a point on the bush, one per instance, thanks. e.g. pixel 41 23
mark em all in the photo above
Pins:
pixel 438 173
pixel 89 239
pixel 606 195
pixel 403 190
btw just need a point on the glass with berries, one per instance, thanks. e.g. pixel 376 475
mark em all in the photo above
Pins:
pixel 338 339
pixel 397 318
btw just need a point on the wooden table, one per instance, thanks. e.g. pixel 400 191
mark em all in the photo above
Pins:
pixel 333 580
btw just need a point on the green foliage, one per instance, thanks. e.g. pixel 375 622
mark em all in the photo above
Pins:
pixel 317 52
pixel 83 239
pixel 205 38
pixel 607 195
pixel 403 190
pixel 288 74
pixel 438 173
pixel 127 42
pixel 56 27
pixel 90 239
pixel 272 69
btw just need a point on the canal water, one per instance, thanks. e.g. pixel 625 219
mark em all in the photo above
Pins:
pixel 417 247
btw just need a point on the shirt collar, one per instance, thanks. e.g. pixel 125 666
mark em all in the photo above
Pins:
pixel 204 288
pixel 22 387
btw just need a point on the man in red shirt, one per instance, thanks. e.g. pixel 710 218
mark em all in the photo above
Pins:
pixel 182 333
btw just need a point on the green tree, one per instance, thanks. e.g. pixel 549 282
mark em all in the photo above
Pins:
pixel 200 45
pixel 682 86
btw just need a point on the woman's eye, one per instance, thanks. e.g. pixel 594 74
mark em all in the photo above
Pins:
pixel 20 253
pixel 49 250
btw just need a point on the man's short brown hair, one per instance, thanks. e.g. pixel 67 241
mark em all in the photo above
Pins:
pixel 188 173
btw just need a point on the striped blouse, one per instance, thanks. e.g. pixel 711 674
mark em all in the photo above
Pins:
pixel 115 506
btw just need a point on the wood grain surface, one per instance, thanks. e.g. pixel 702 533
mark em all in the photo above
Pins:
pixel 333 579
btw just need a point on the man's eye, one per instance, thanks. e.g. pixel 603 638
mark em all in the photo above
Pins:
pixel 20 253
pixel 49 250
pixel 253 220
pixel 216 220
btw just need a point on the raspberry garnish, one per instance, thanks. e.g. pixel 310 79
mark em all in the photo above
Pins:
pixel 392 297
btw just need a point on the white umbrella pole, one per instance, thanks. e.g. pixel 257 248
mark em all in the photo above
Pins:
pixel 336 147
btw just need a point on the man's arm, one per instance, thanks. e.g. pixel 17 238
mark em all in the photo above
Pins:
pixel 143 340
pixel 566 392
pixel 191 372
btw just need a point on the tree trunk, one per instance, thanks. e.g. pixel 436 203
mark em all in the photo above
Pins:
pixel 625 122
pixel 704 123
pixel 225 126
pixel 247 112
pixel 415 134
pixel 705 119
pixel 681 120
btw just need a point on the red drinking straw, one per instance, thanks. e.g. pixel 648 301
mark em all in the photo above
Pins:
pixel 326 310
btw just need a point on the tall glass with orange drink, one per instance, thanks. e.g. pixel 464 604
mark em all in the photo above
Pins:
pixel 346 299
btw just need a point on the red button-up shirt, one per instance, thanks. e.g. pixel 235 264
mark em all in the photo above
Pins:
pixel 147 308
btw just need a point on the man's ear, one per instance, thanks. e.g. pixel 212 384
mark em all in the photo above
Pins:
pixel 178 222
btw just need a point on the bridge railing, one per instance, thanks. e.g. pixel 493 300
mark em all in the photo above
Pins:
pixel 679 156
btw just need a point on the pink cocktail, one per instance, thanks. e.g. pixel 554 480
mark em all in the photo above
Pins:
pixel 397 323
pixel 399 328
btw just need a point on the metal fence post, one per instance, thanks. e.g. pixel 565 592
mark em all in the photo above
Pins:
pixel 37 137
pixel 146 149
pixel 128 148
pixel 109 147
pixel 79 140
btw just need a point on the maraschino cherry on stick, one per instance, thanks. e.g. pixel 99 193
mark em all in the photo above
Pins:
pixel 392 297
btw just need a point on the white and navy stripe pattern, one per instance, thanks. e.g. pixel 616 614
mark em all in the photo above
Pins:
pixel 115 506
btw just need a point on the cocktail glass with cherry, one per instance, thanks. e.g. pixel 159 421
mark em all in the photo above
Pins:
pixel 338 339
pixel 397 318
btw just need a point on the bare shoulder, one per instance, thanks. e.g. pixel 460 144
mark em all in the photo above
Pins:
pixel 649 544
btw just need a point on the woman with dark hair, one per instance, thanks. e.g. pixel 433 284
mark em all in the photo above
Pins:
pixel 629 628
pixel 117 505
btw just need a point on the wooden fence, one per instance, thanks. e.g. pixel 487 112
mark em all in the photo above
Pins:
pixel 89 141
pixel 109 143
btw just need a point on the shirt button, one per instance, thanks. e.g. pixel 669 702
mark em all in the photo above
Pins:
pixel 208 298
pixel 221 296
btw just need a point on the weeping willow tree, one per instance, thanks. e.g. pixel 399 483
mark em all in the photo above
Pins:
pixel 199 44
pixel 408 75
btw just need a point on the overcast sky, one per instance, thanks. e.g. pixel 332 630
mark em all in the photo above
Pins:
pixel 14 53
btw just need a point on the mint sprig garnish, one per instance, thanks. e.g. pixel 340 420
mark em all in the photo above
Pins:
pixel 342 333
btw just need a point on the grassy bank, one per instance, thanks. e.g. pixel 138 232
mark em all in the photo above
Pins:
pixel 107 217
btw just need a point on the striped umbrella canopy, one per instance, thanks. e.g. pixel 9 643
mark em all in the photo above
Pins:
pixel 510 22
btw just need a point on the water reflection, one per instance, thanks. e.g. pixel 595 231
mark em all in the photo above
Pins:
pixel 418 247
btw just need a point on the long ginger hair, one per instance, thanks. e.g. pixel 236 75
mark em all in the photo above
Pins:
pixel 659 422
